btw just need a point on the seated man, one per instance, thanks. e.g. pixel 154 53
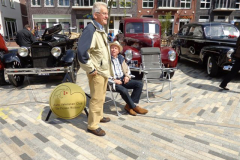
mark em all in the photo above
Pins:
pixel 123 81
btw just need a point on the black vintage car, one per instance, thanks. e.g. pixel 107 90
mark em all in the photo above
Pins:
pixel 52 53
pixel 211 44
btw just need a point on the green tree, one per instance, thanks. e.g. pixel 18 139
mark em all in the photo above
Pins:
pixel 165 23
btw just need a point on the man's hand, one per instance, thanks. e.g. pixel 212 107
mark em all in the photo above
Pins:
pixel 126 80
pixel 94 73
pixel 117 81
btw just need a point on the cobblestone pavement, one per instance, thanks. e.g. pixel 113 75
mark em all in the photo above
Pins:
pixel 202 122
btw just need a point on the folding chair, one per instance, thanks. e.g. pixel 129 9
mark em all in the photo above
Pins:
pixel 111 88
pixel 154 71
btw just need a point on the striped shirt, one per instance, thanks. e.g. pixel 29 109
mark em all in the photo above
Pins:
pixel 117 68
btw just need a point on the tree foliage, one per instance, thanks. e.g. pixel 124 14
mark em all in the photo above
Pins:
pixel 165 23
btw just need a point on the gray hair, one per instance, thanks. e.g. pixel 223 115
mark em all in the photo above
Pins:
pixel 97 7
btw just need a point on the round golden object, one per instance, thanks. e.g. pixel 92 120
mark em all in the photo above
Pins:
pixel 67 100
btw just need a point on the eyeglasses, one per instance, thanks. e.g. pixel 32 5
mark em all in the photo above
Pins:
pixel 104 13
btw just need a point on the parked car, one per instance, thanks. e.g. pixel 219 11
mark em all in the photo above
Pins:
pixel 53 53
pixel 211 44
pixel 135 33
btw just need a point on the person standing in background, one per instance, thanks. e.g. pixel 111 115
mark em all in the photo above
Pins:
pixel 110 36
pixel 25 37
pixel 235 68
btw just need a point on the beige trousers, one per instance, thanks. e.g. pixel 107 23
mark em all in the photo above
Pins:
pixel 98 86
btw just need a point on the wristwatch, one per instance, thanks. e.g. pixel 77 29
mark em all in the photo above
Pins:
pixel 92 71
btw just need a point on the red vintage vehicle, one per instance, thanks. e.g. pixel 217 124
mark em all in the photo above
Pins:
pixel 135 33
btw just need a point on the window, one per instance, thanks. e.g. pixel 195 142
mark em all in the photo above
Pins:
pixel 203 18
pixel 148 16
pixel 3 2
pixel 114 4
pixel 49 3
pixel 166 3
pixel 222 4
pixel 36 3
pixel 205 4
pixel 221 18
pixel 151 28
pixel 185 3
pixel 220 31
pixel 237 6
pixel 63 2
pixel 198 32
pixel 183 31
pixel 148 3
pixel 134 27
pixel 125 3
pixel 86 3
pixel 12 3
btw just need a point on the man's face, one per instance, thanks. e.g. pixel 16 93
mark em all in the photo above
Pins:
pixel 29 28
pixel 102 16
pixel 114 50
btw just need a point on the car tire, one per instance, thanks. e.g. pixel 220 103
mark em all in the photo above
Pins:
pixel 171 75
pixel 212 67
pixel 15 80
pixel 73 72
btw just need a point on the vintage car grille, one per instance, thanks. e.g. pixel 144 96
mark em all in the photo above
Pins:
pixel 42 57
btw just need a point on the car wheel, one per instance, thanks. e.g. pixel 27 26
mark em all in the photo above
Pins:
pixel 73 72
pixel 212 68
pixel 16 80
pixel 171 75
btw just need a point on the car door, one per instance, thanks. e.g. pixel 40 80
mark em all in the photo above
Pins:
pixel 194 43
pixel 181 37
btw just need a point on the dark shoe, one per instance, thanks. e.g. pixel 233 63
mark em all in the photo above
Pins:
pixel 105 119
pixel 98 132
pixel 130 110
pixel 223 87
pixel 140 110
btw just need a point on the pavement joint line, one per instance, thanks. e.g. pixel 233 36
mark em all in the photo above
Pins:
pixel 6 105
pixel 196 122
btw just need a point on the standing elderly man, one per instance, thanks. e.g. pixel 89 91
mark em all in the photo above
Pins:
pixel 95 59
pixel 25 37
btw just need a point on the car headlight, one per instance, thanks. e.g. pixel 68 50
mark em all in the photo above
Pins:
pixel 172 55
pixel 128 55
pixel 229 53
pixel 23 51
pixel 56 51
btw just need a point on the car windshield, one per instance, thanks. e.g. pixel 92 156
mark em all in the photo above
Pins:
pixel 221 31
pixel 139 27
pixel 43 25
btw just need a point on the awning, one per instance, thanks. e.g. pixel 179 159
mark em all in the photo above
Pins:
pixel 186 17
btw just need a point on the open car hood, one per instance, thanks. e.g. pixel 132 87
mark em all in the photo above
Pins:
pixel 52 30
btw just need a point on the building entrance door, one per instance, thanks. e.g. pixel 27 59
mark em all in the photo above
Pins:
pixel 11 28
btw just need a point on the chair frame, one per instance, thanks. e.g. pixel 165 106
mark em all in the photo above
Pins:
pixel 164 72
pixel 112 96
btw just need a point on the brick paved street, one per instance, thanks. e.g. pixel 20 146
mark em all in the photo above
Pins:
pixel 202 122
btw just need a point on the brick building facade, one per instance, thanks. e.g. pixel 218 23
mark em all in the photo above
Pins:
pixel 76 12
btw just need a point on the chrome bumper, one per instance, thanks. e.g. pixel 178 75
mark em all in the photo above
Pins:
pixel 39 71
